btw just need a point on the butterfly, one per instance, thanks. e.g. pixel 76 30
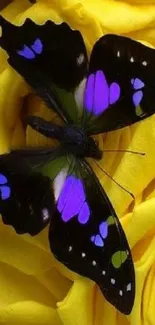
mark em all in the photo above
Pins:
pixel 113 89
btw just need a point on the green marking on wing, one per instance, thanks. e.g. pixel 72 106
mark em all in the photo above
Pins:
pixel 67 102
pixel 52 168
pixel 111 221
pixel 139 111
pixel 118 258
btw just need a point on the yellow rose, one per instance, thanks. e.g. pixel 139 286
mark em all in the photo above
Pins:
pixel 35 288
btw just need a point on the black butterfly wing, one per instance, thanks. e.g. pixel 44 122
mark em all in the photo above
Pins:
pixel 86 235
pixel 120 87
pixel 52 59
pixel 116 90
pixel 26 196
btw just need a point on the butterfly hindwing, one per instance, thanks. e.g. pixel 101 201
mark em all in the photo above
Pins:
pixel 26 196
pixel 86 235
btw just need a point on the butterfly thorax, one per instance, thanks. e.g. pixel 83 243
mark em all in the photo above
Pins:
pixel 76 141
pixel 73 139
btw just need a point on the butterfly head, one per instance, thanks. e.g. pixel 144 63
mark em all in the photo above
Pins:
pixel 92 149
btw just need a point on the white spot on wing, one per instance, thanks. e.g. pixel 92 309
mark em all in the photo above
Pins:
pixel 45 214
pixel 128 288
pixel 59 182
pixel 80 59
pixel 94 263
pixel 127 252
pixel 83 254
pixel 121 293
pixel 118 54
pixel 132 59
pixel 70 248
pixel 144 63
pixel 31 209
pixel 113 281
pixel 79 94
pixel 103 272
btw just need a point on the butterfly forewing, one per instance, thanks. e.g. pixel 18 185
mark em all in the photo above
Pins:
pixel 119 90
pixel 40 54
pixel 114 90
pixel 86 235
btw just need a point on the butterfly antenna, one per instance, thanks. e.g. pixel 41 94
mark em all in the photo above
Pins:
pixel 107 174
pixel 128 151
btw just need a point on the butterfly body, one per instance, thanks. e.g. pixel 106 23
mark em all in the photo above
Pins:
pixel 77 142
pixel 74 140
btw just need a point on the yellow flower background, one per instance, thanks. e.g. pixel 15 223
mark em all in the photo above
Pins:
pixel 34 288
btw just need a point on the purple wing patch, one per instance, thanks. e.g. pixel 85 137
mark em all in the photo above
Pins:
pixel 97 239
pixel 27 53
pixel 137 83
pixel 72 201
pixel 3 179
pixel 101 93
pixel 4 188
pixel 114 93
pixel 84 214
pixel 37 47
pixel 98 95
pixel 103 228
pixel 137 97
